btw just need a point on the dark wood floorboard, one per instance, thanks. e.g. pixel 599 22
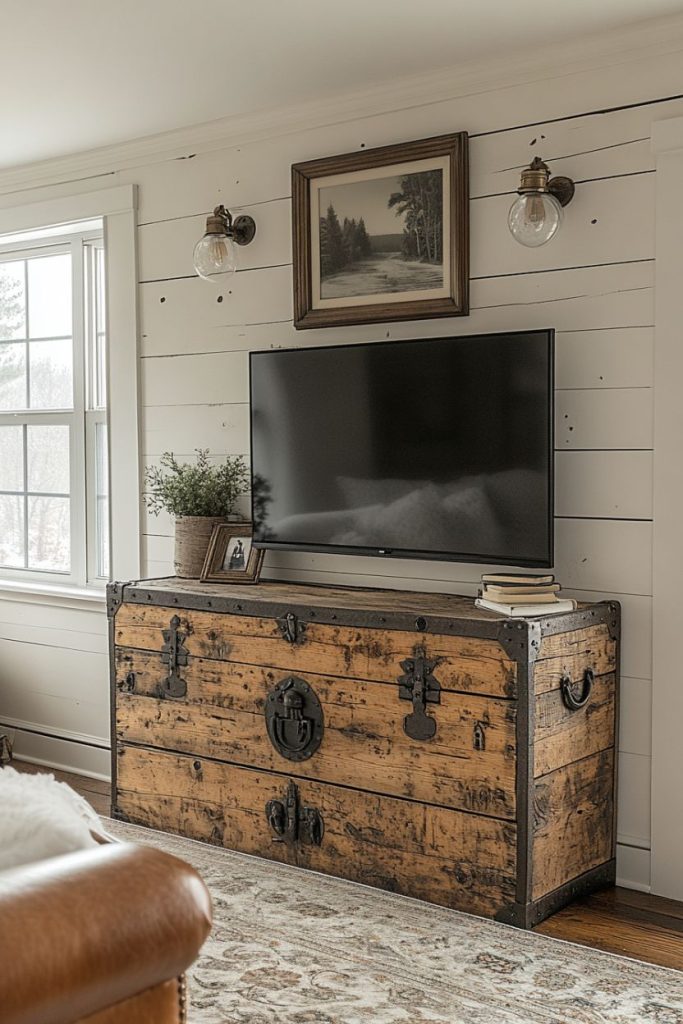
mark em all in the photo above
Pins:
pixel 96 792
pixel 622 921
pixel 643 935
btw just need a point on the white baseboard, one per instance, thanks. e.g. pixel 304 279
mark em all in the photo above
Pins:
pixel 54 731
pixel 633 867
pixel 59 752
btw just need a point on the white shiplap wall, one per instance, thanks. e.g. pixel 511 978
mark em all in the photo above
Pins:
pixel 53 681
pixel 593 283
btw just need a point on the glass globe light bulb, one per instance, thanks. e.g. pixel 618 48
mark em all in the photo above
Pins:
pixel 534 218
pixel 214 256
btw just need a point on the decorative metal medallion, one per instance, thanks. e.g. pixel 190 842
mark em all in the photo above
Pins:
pixel 292 823
pixel 422 688
pixel 173 654
pixel 294 719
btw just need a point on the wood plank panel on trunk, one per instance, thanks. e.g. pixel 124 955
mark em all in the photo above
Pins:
pixel 571 654
pixel 563 735
pixel 463 663
pixel 573 821
pixel 363 745
pixel 440 855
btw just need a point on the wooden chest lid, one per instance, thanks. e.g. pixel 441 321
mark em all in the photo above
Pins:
pixel 355 606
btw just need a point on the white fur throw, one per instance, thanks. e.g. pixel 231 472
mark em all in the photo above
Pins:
pixel 41 818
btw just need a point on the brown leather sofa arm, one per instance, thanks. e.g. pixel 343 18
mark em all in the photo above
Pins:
pixel 82 932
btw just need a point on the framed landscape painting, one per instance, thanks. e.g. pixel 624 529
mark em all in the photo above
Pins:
pixel 382 234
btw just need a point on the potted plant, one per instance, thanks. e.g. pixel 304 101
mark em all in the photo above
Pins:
pixel 198 495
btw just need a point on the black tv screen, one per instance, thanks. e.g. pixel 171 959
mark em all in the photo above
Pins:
pixel 436 448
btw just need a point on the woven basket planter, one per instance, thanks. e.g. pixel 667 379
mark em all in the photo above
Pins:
pixel 192 536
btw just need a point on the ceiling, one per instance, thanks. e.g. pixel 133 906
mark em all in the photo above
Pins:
pixel 78 74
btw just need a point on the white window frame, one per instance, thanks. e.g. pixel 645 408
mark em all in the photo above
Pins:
pixel 95 414
pixel 117 209
pixel 80 418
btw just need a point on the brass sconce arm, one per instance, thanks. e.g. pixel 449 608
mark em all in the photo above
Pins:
pixel 536 178
pixel 241 230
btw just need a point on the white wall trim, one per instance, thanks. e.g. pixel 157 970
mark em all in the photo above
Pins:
pixel 630 883
pixel 667 692
pixel 633 868
pixel 77 764
pixel 55 732
pixel 61 751
pixel 570 56
pixel 123 391
pixel 117 208
pixel 76 598
pixel 65 209
pixel 634 842
pixel 667 135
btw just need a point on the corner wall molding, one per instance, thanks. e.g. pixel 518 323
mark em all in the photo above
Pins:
pixel 667 556
pixel 667 135
pixel 582 54
pixel 55 732
pixel 63 209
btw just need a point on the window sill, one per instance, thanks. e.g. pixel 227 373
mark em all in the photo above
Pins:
pixel 88 598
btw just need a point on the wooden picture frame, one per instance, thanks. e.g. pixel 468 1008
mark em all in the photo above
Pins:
pixel 329 292
pixel 231 543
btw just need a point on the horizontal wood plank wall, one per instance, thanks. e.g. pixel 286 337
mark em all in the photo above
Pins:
pixel 593 283
pixel 53 684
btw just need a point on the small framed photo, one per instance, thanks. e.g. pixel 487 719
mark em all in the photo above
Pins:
pixel 382 234
pixel 232 557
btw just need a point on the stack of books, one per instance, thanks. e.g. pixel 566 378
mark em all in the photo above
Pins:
pixel 521 595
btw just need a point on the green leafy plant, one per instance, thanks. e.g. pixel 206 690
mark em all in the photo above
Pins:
pixel 196 488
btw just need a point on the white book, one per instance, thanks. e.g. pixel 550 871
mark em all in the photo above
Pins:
pixel 526 611
pixel 491 594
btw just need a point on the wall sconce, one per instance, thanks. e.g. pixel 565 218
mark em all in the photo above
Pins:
pixel 215 253
pixel 536 214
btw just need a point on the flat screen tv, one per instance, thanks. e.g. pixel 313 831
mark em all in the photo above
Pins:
pixel 437 448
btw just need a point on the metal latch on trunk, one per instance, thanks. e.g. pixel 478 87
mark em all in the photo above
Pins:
pixel 291 629
pixel 173 654
pixel 419 685
pixel 290 822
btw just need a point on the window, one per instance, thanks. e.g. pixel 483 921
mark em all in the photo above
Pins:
pixel 54 505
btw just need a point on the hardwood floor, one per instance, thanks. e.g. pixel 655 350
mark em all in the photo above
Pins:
pixel 97 793
pixel 617 920
pixel 633 924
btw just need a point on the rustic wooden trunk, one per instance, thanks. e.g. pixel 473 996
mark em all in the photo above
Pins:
pixel 408 741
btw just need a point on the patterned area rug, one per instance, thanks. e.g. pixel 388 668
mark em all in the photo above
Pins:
pixel 293 947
